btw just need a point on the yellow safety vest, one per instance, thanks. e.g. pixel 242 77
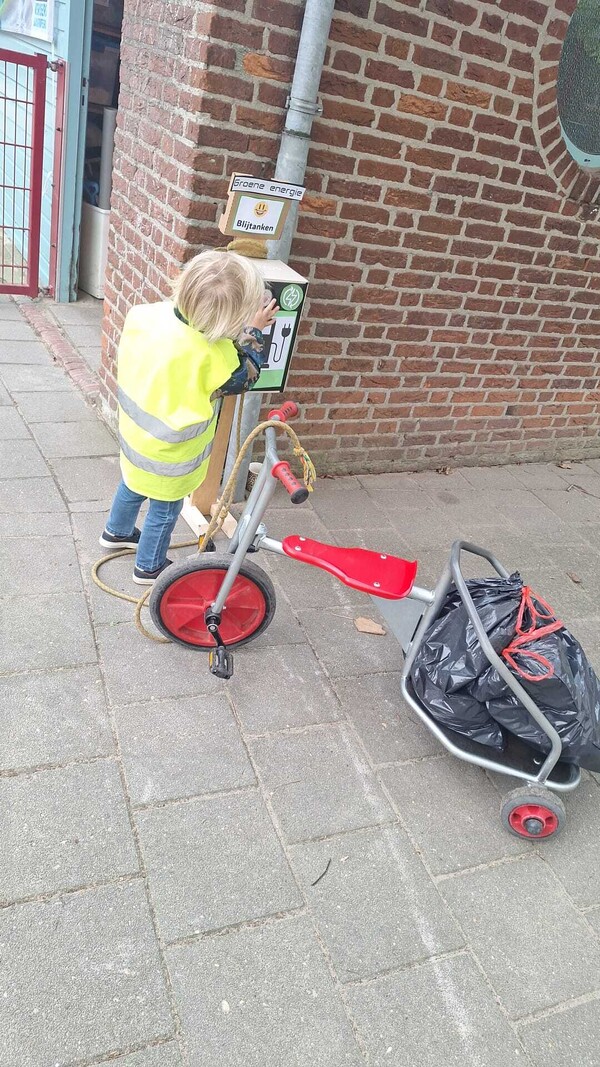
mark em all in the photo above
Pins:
pixel 167 373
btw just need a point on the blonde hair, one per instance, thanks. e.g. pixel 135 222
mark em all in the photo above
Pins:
pixel 219 293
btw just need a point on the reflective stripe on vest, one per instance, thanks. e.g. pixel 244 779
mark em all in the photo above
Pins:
pixel 169 470
pixel 155 426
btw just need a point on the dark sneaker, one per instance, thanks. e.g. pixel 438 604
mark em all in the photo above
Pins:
pixel 108 540
pixel 141 577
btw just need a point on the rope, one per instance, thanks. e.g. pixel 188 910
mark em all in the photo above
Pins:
pixel 220 513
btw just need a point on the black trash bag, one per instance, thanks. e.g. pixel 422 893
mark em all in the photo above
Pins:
pixel 451 660
pixel 552 668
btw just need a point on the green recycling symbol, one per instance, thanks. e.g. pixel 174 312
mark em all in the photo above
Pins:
pixel 291 298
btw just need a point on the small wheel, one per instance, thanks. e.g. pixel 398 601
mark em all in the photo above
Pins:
pixel 184 591
pixel 532 813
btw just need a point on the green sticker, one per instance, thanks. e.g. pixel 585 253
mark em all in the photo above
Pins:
pixel 291 297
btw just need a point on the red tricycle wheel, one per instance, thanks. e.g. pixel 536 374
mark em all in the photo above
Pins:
pixel 533 813
pixel 184 591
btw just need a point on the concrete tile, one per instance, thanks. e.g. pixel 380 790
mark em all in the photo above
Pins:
pixel 382 538
pixel 21 461
pixel 9 310
pixel 309 587
pixel 45 631
pixel 440 1013
pixel 81 977
pixel 25 379
pixel 276 688
pixel 569 1038
pixel 261 998
pixel 83 334
pixel 84 311
pixel 393 502
pixel 167 1055
pixel 422 529
pixel 12 427
pixel 35 525
pixel 30 495
pixel 61 407
pixel 16 330
pixel 574 862
pixel 52 718
pixel 497 478
pixel 285 629
pixel 93 357
pixel 4 397
pixel 571 506
pixel 64 829
pixel 342 510
pixel 39 565
pixel 387 727
pixel 451 810
pixel 376 907
pixel 181 748
pixel 93 480
pixel 534 947
pixel 372 482
pixel 137 669
pixel 213 863
pixel 74 439
pixel 30 352
pixel 318 783
pixel 342 649
pixel 536 476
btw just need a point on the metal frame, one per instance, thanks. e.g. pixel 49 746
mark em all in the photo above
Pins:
pixel 409 619
pixel 34 105
pixel 60 69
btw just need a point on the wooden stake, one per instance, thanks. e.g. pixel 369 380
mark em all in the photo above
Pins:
pixel 208 493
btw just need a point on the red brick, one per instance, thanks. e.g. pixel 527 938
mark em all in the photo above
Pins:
pixel 468 94
pixel 355 35
pixel 436 60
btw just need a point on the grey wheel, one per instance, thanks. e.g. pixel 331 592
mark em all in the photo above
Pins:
pixel 533 813
pixel 184 592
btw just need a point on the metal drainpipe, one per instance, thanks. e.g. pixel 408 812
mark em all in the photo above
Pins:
pixel 291 167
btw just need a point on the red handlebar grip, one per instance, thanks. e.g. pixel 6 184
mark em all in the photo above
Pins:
pixel 288 410
pixel 297 491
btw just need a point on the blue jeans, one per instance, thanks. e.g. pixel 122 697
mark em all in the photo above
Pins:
pixel 156 531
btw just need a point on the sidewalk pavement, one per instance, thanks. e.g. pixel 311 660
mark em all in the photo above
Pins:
pixel 165 835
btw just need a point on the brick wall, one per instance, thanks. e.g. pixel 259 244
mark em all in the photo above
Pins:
pixel 451 243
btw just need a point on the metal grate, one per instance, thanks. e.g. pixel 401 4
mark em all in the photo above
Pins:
pixel 23 91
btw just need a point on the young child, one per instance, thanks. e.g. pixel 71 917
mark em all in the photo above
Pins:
pixel 174 360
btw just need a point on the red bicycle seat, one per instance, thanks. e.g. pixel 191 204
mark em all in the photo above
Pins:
pixel 370 572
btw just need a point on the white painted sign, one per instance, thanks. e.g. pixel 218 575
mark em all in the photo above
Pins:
pixel 257 216
pixel 32 18
pixel 244 183
pixel 278 341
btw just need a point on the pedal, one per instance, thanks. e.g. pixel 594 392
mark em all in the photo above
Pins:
pixel 220 661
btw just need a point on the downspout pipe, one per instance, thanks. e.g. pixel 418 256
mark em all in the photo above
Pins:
pixel 302 107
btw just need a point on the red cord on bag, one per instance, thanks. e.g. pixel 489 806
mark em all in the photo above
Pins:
pixel 534 633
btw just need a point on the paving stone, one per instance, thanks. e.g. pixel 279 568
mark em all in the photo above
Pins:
pixel 25 352
pixel 25 379
pixel 35 525
pixel 16 330
pixel 277 688
pixel 572 856
pixel 451 809
pixel 12 427
pixel 497 478
pixel 9 310
pixel 4 396
pixel 309 587
pixel 376 907
pixel 570 1038
pixel 573 506
pixel 167 1055
pixel 284 629
pixel 30 495
pixel 84 311
pixel 92 356
pixel 74 439
pixel 21 461
pixel 52 718
pixel 90 482
pixel 439 1013
pixel 382 538
pixel 392 503
pixel 39 565
pixel 261 998
pixel 63 829
pixel 531 942
pixel 138 669
pixel 536 476
pixel 80 978
pixel 318 783
pixel 84 334
pixel 214 862
pixel 342 649
pixel 393 480
pixel 61 407
pixel 388 728
pixel 45 631
pixel 340 511
pixel 181 748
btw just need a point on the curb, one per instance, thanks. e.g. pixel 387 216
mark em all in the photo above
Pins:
pixel 62 351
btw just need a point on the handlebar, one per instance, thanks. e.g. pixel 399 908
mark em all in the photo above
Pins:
pixel 283 472
pixel 287 411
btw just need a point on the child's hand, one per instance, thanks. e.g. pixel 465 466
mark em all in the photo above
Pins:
pixel 266 316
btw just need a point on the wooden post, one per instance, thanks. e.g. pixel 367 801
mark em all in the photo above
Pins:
pixel 208 493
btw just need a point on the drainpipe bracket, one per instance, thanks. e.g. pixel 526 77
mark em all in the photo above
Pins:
pixel 296 103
